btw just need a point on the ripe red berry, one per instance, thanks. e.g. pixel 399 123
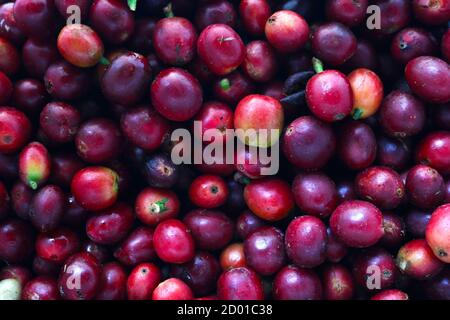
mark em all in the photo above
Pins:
pixel 208 191
pixel 102 184
pixel 221 49
pixel 287 31
pixel 80 45
pixel 437 233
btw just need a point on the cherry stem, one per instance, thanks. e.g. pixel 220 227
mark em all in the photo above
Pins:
pixel 104 61
pixel 225 84
pixel 168 11
pixel 159 206
pixel 132 4
pixel 357 113
pixel 317 65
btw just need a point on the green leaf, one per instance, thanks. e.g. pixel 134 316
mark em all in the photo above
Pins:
pixel 132 4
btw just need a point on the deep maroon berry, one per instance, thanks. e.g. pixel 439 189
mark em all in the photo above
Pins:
pixel 315 194
pixel 47 208
pixel 264 250
pixel 57 245
pixel 425 187
pixel 293 283
pixel 211 230
pixel 80 277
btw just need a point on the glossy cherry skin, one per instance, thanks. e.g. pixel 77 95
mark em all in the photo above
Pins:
pixel 82 269
pixel 424 76
pixel 391 294
pixel 16 241
pixel 41 288
pixel 208 191
pixel 306 241
pixel 394 230
pixel 287 31
pixel 200 274
pixel 154 205
pixel 240 284
pixel 367 91
pixel 357 223
pixel 137 247
pixel 220 48
pixel 338 283
pixel 270 199
pixel 380 185
pixel 57 245
pixel 111 225
pixel 260 62
pixel 173 242
pixel 216 116
pixel 113 281
pixel 15 129
pixel 10 29
pixel 402 115
pixel 142 280
pixel 126 79
pixel 6 88
pixel 254 15
pixel 112 20
pixel 349 12
pixel 233 256
pixel 47 208
pixel 29 96
pixel 65 81
pixel 21 198
pixel 101 253
pixel 366 261
pixel 98 140
pixel 213 12
pixel 315 194
pixel 259 112
pixel 437 233
pixel 174 41
pixel 411 43
pixel 329 96
pixel 431 13
pixel 172 289
pixel 293 283
pixel 425 187
pixel 264 250
pixel 144 128
pixel 308 143
pixel 80 45
pixel 37 56
pixel 357 145
pixel 102 183
pixel 59 121
pixel 176 94
pixel 211 230
pixel 434 151
pixel 333 43
pixel 417 260
pixel 35 18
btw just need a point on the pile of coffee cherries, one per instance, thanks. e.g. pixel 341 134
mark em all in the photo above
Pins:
pixel 93 205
